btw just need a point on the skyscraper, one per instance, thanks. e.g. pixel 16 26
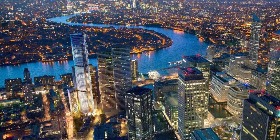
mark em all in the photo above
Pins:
pixel 122 72
pixel 138 101
pixel 261 115
pixel 274 81
pixel 27 79
pixel 193 101
pixel 114 75
pixel 134 69
pixel 200 63
pixel 82 79
pixel 106 78
pixel 255 40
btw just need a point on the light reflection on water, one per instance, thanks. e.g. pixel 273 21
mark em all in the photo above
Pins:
pixel 183 44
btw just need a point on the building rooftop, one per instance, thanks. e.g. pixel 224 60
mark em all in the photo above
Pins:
pixel 264 98
pixel 45 76
pixel 243 87
pixel 225 77
pixel 205 134
pixel 195 58
pixel 167 82
pixel 190 73
pixel 139 90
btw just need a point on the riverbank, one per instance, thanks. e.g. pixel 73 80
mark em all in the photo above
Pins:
pixel 183 44
pixel 53 42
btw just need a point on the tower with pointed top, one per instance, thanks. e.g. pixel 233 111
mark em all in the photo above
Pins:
pixel 81 72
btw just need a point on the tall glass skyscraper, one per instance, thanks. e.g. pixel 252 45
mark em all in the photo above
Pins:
pixel 255 40
pixel 192 101
pixel 138 102
pixel 114 75
pixel 82 79
pixel 106 78
pixel 122 72
pixel 261 117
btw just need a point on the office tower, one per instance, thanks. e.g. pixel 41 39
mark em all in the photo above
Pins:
pixel 106 78
pixel 114 74
pixel 122 72
pixel 200 63
pixel 236 95
pixel 239 67
pixel 82 79
pixel 27 79
pixel 261 114
pixel 94 83
pixel 255 40
pixel 134 69
pixel 138 102
pixel 192 99
pixel 204 134
pixel 44 80
pixel 263 58
pixel 274 82
pixel 274 56
pixel 13 84
pixel 220 84
pixel 67 79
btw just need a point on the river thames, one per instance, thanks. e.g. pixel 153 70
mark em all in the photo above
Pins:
pixel 183 44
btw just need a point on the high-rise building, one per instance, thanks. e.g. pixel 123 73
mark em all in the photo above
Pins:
pixel 200 63
pixel 255 40
pixel 138 102
pixel 114 74
pixel 192 101
pixel 274 56
pixel 122 72
pixel 239 67
pixel 274 82
pixel 27 79
pixel 261 117
pixel 220 84
pixel 236 95
pixel 106 78
pixel 134 69
pixel 94 83
pixel 263 57
pixel 82 79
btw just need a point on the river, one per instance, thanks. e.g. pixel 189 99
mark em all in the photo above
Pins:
pixel 183 44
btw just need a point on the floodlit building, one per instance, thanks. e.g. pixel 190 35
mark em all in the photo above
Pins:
pixel 82 79
pixel 138 102
pixel 192 101
pixel 261 115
